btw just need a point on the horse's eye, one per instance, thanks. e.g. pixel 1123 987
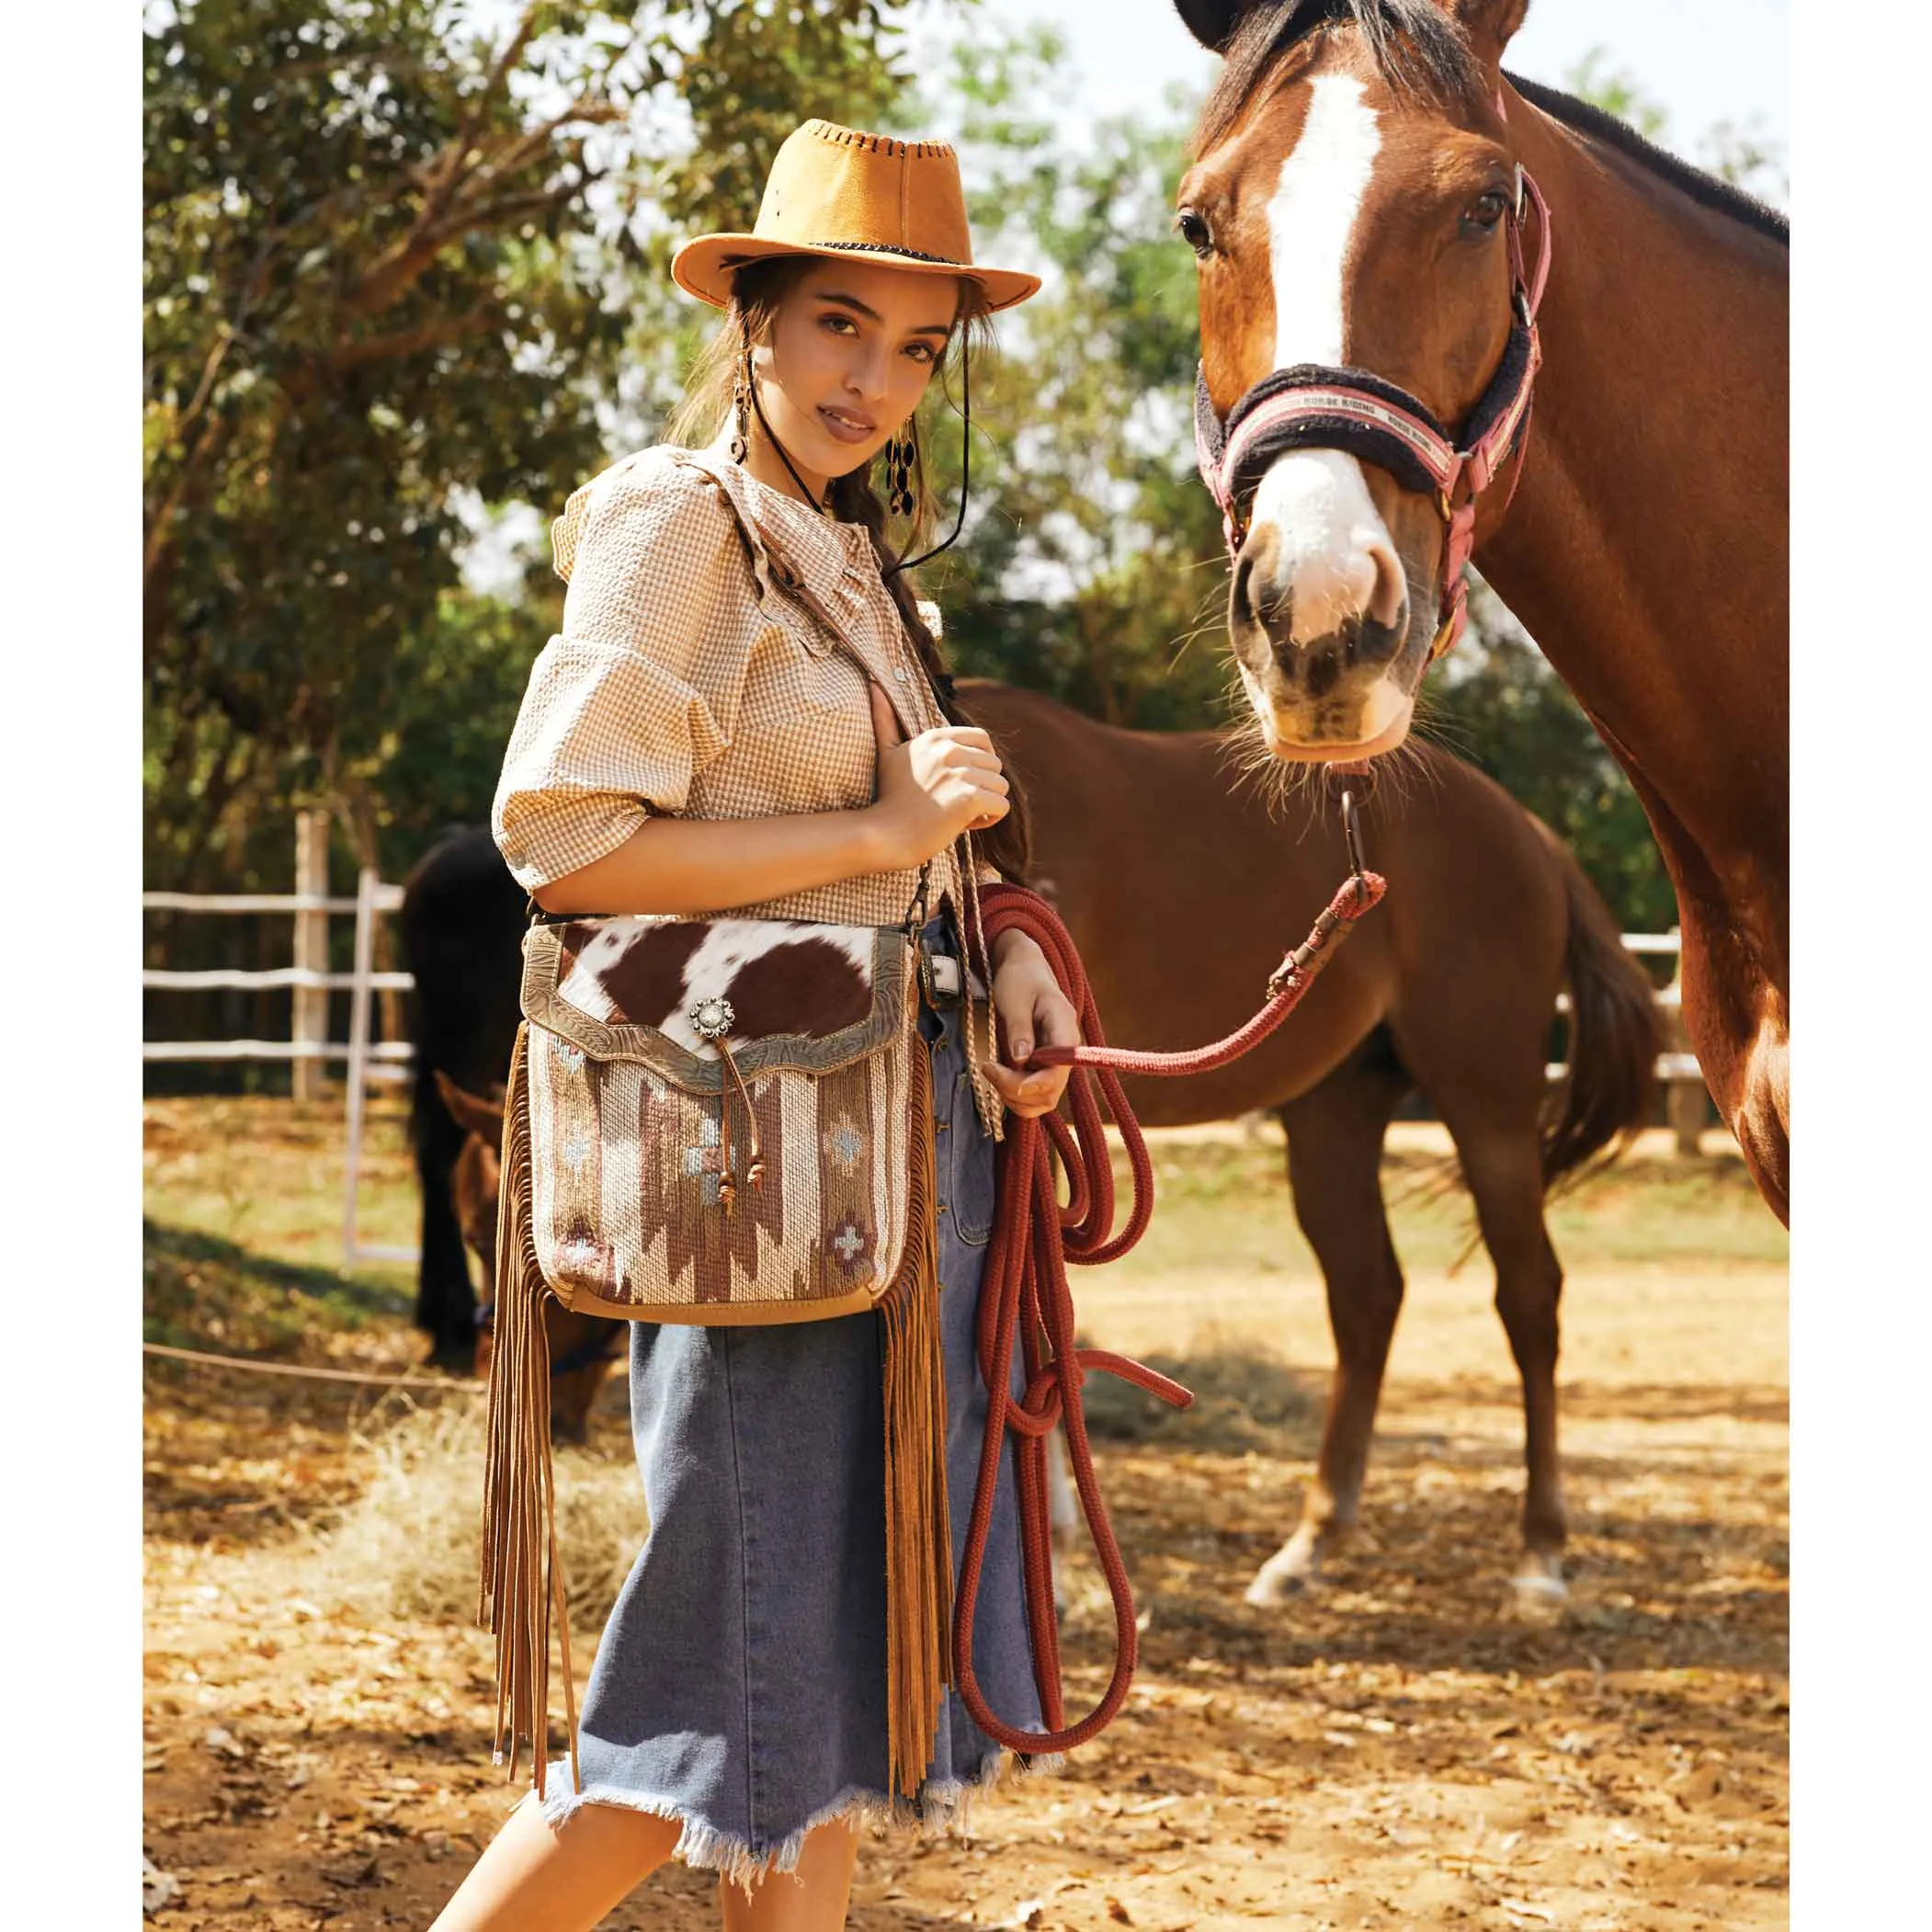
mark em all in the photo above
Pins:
pixel 1194 231
pixel 1486 210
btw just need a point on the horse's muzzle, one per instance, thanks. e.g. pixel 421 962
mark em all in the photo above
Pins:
pixel 1340 688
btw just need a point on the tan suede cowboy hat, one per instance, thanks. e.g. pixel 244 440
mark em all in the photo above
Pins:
pixel 835 192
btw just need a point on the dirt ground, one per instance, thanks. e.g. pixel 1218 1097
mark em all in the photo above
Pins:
pixel 1393 1750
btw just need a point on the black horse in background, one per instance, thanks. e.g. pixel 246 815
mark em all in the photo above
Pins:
pixel 461 931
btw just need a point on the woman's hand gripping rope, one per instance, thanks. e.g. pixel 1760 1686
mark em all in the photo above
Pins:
pixel 931 788
pixel 1033 1011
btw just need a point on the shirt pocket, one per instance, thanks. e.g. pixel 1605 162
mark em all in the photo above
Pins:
pixel 798 671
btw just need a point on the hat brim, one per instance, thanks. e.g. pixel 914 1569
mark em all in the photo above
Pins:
pixel 705 265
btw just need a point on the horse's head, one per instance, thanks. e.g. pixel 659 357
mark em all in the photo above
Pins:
pixel 475 1179
pixel 1350 203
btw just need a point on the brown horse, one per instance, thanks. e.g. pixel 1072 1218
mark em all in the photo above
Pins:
pixel 581 1346
pixel 1351 200
pixel 1183 889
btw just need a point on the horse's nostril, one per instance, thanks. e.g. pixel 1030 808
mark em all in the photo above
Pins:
pixel 1239 594
pixel 1390 592
pixel 1259 599
pixel 1260 594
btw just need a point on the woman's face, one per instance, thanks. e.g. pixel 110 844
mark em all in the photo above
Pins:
pixel 851 350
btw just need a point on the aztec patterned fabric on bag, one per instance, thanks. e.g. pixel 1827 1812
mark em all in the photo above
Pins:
pixel 719 1115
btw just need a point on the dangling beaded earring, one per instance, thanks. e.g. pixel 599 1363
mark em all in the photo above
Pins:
pixel 901 453
pixel 741 408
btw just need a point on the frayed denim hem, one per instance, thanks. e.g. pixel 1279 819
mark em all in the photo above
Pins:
pixel 943 1804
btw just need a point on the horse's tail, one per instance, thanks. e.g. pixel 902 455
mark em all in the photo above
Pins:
pixel 1614 1036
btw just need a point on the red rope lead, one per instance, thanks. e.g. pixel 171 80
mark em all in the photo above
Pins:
pixel 1024 1294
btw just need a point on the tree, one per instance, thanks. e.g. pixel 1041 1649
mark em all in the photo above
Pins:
pixel 398 274
pixel 1093 562
pixel 389 267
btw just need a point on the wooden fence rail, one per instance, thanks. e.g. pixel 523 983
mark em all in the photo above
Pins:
pixel 369 1060
pixel 309 1046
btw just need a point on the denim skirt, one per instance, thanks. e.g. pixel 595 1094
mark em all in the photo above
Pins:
pixel 740 1685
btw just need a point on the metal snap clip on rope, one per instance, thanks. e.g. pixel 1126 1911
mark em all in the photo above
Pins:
pixel 1354 786
pixel 1352 834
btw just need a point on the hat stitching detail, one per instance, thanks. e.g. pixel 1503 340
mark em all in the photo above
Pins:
pixel 876 144
pixel 917 255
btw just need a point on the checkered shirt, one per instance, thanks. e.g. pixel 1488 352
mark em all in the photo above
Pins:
pixel 718 638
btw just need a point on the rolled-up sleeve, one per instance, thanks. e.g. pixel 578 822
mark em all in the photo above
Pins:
pixel 642 687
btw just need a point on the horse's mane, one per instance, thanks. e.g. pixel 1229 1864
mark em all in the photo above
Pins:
pixel 1419 51
pixel 1706 190
pixel 1416 49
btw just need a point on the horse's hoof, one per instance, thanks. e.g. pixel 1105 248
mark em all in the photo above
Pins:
pixel 1537 1590
pixel 1283 1576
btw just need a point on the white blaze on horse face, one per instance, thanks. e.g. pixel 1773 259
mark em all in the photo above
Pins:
pixel 1336 556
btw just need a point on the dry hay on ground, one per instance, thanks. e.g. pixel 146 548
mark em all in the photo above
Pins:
pixel 1391 1750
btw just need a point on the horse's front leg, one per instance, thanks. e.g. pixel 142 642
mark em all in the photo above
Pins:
pixel 445 1302
pixel 1335 1139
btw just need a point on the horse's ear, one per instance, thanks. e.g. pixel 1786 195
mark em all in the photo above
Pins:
pixel 1491 25
pixel 1212 22
pixel 472 1114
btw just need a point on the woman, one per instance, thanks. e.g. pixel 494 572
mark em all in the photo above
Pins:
pixel 744 711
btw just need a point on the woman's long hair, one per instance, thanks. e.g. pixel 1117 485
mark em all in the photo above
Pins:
pixel 758 291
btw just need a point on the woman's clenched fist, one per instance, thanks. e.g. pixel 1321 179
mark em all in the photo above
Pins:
pixel 933 787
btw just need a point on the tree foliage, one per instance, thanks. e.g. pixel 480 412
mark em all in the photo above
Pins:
pixel 1092 567
pixel 390 264
pixel 401 272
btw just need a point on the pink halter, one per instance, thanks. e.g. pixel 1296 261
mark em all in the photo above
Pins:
pixel 1315 406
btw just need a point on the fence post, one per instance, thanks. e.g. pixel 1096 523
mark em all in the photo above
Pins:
pixel 359 1056
pixel 1687 1105
pixel 312 950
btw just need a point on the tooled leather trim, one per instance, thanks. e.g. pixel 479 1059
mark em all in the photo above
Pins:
pixel 633 1039
pixel 717 1314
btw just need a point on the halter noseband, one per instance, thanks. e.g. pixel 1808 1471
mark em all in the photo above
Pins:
pixel 1313 407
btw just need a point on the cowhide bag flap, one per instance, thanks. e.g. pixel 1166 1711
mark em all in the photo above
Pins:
pixel 722 1120
pixel 719 1115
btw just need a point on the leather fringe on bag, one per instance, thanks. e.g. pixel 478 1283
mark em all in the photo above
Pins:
pixel 918 1523
pixel 522 1582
